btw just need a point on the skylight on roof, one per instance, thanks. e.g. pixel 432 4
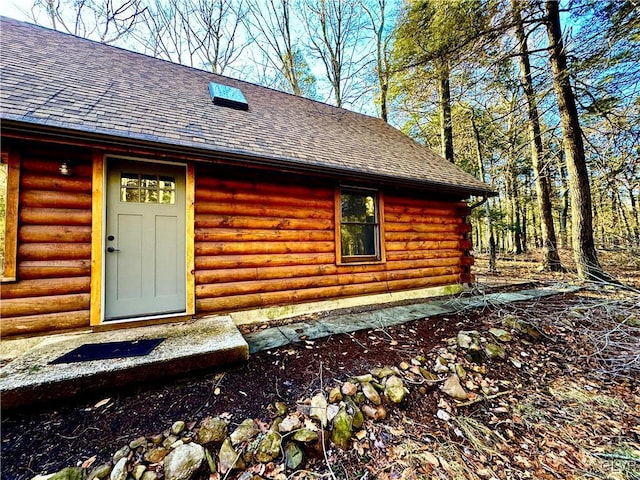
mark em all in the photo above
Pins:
pixel 226 96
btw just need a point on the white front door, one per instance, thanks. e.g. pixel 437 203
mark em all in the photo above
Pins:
pixel 145 272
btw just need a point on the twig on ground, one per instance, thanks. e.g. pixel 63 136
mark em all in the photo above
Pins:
pixel 483 398
pixel 324 450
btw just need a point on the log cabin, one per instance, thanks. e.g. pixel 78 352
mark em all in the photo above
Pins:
pixel 138 191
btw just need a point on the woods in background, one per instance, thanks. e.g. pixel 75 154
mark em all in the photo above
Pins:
pixel 539 98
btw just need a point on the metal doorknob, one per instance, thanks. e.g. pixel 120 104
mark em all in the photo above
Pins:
pixel 111 249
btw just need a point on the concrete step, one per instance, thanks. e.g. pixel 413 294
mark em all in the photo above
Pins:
pixel 29 378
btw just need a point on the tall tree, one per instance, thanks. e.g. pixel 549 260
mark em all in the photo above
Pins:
pixel 380 15
pixel 431 36
pixel 585 253
pixel 550 257
pixel 107 21
pixel 198 33
pixel 272 24
pixel 334 32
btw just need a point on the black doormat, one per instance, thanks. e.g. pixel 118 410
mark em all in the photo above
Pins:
pixel 103 351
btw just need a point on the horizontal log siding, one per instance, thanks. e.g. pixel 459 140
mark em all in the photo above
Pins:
pixel 260 244
pixel 54 246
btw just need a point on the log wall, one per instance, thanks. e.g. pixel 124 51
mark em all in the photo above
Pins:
pixel 262 243
pixel 260 240
pixel 54 246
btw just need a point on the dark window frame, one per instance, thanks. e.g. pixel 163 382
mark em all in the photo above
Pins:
pixel 378 226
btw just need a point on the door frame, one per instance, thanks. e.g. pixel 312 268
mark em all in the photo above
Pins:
pixel 98 240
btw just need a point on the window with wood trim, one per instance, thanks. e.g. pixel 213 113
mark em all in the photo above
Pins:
pixel 358 217
pixel 9 178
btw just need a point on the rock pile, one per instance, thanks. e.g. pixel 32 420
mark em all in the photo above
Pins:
pixel 337 416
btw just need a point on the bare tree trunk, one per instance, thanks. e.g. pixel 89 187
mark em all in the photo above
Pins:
pixel 378 20
pixel 444 105
pixel 584 249
pixel 492 251
pixel 564 198
pixel 623 214
pixel 550 257
pixel 481 172
pixel 598 216
pixel 524 212
pixel 51 10
pixel 516 237
pixel 634 210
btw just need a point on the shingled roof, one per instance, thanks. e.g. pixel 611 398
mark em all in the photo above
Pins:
pixel 58 81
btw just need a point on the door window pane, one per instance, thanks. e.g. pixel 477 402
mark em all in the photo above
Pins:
pixel 147 188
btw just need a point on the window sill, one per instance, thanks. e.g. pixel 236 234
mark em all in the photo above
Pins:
pixel 359 262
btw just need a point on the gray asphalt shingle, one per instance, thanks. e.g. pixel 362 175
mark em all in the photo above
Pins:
pixel 57 80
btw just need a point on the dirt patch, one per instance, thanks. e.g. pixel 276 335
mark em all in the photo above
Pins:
pixel 551 408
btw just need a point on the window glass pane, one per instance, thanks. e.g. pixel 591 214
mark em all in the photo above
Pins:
pixel 358 208
pixel 168 183
pixel 129 195
pixel 130 180
pixel 149 195
pixel 4 171
pixel 149 181
pixel 147 188
pixel 168 196
pixel 358 240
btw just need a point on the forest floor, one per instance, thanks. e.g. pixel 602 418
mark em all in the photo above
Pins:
pixel 562 403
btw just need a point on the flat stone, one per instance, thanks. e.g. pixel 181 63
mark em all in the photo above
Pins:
pixel 266 340
pixel 177 427
pixel 394 389
pixel 183 462
pixel 348 323
pixel 289 423
pixel 293 455
pixel 371 393
pixel 119 471
pixel 341 429
pixel 335 395
pixel 269 447
pixel 500 334
pixel 156 455
pixel 229 459
pixel 319 409
pixel 494 350
pixel 123 452
pixel 304 435
pixel 441 365
pixel 383 372
pixel 246 431
pixel 212 430
pixel 137 443
pixel 453 388
pixel 101 471
pixel 138 471
pixel 69 473
pixel 332 411
pixel 464 340
pixel 298 332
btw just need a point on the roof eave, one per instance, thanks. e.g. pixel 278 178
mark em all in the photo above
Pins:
pixel 12 125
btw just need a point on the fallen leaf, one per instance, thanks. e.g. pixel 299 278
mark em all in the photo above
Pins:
pixel 89 461
pixel 102 403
